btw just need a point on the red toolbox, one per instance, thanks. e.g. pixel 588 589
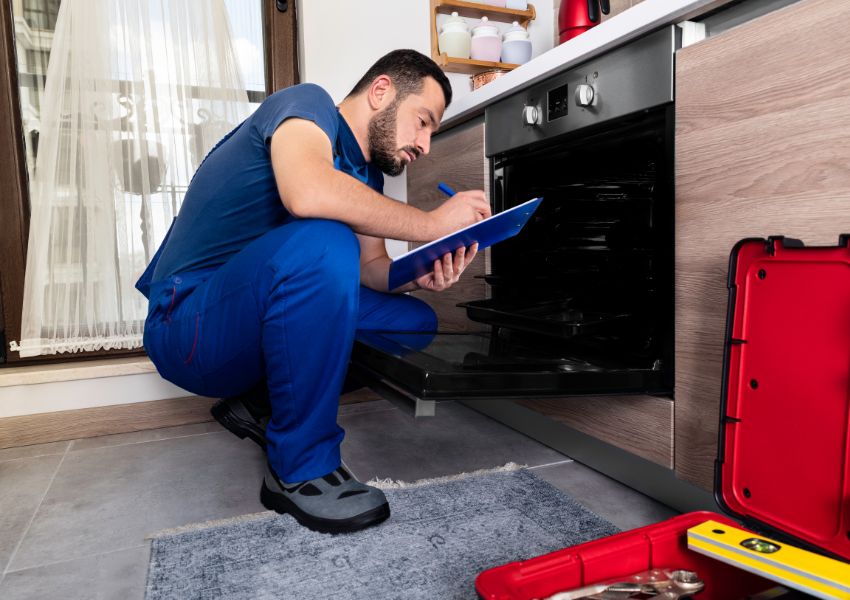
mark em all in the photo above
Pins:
pixel 782 468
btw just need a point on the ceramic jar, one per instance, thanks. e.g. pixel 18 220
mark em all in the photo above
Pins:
pixel 516 45
pixel 486 42
pixel 454 39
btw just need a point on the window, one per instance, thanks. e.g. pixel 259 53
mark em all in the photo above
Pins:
pixel 34 24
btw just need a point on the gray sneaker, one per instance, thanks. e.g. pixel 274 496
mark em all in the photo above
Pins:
pixel 333 503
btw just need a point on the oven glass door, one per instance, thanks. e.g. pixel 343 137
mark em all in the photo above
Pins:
pixel 581 300
pixel 480 365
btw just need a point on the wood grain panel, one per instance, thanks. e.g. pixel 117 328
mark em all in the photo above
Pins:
pixel 122 418
pixel 364 394
pixel 103 420
pixel 762 142
pixel 456 158
pixel 642 425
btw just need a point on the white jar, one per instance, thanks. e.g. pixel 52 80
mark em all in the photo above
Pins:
pixel 454 39
pixel 517 4
pixel 516 45
pixel 486 42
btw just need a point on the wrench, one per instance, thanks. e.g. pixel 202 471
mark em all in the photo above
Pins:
pixel 666 584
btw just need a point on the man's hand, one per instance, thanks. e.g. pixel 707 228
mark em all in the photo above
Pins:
pixel 446 270
pixel 459 211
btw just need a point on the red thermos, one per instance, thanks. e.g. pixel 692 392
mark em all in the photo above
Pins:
pixel 577 16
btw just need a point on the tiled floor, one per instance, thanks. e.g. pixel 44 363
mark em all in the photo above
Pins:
pixel 74 515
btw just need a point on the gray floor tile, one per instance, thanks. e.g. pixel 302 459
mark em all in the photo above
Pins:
pixel 23 483
pixel 611 500
pixel 110 498
pixel 35 450
pixel 116 575
pixel 148 435
pixel 395 445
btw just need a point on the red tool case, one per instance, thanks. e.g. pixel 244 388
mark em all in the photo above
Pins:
pixel 782 468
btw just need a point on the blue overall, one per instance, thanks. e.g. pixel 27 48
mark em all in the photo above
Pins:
pixel 282 307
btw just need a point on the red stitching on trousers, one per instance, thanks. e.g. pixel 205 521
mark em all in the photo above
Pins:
pixel 195 343
pixel 170 306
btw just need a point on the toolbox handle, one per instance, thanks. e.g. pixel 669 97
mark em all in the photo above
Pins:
pixel 785 242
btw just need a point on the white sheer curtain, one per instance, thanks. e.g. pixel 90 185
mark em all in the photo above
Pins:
pixel 137 92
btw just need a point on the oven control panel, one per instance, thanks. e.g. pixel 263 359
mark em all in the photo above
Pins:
pixel 631 78
pixel 557 102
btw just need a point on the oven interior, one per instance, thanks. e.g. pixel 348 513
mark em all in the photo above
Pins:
pixel 581 300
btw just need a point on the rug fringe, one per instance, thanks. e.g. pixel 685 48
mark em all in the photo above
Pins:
pixel 208 524
pixel 384 484
pixel 390 484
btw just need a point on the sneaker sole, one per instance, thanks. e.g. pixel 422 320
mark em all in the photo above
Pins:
pixel 236 425
pixel 283 505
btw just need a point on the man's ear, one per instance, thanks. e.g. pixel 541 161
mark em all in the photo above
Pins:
pixel 381 92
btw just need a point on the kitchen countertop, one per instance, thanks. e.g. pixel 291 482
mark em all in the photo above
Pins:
pixel 638 20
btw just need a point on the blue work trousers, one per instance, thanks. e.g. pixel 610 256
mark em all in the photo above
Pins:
pixel 283 310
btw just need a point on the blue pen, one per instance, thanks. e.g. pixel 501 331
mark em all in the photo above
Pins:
pixel 445 189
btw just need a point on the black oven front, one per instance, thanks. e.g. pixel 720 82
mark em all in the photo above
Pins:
pixel 581 301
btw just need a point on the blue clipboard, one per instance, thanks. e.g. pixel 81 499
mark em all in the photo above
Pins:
pixel 497 228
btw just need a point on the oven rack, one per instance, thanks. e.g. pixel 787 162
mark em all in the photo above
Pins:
pixel 551 318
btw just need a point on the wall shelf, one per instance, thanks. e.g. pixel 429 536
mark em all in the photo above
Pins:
pixel 467 65
pixel 473 10
pixel 476 10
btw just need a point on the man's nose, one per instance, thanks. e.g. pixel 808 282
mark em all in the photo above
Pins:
pixel 423 143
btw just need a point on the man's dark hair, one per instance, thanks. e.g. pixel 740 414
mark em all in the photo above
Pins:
pixel 407 69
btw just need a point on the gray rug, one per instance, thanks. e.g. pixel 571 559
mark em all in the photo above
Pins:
pixel 439 537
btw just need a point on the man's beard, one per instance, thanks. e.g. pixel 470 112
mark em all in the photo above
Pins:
pixel 382 140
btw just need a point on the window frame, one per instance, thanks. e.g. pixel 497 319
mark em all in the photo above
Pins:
pixel 280 42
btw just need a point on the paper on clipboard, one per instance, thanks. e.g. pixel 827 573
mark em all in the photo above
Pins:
pixel 499 227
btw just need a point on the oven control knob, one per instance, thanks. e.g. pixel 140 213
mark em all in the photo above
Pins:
pixel 531 115
pixel 584 94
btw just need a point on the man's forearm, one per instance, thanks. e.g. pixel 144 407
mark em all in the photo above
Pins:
pixel 375 275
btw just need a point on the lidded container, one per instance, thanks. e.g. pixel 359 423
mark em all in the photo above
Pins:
pixel 486 42
pixel 454 39
pixel 516 45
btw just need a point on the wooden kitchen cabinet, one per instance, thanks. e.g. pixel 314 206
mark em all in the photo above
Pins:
pixel 456 158
pixel 640 424
pixel 762 130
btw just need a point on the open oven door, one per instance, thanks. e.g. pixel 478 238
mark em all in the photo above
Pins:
pixel 420 368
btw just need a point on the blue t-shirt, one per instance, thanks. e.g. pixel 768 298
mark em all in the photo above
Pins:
pixel 233 197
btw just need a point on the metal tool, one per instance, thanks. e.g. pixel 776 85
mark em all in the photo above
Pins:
pixel 666 584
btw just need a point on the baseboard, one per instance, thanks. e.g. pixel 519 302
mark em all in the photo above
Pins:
pixel 42 428
pixel 638 473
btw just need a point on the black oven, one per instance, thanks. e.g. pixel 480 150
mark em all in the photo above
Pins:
pixel 581 301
